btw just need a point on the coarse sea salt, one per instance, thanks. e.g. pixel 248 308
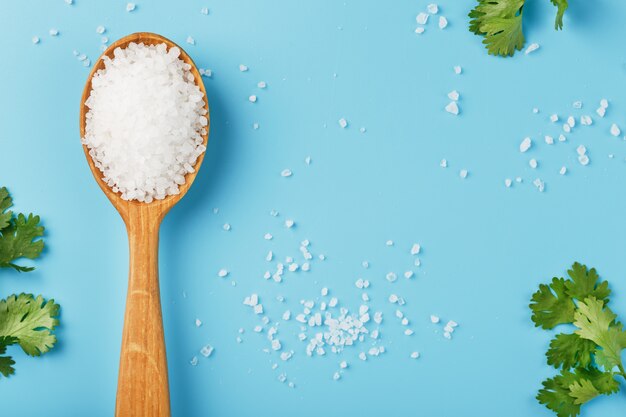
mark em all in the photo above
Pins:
pixel 421 18
pixel 432 8
pixel 531 48
pixel 443 22
pixel 525 145
pixel 146 121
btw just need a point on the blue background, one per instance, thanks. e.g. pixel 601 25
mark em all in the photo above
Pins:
pixel 485 247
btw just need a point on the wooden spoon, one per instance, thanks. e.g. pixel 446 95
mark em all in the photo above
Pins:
pixel 142 388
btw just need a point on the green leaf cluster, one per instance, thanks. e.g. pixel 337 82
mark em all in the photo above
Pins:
pixel 589 358
pixel 25 320
pixel 500 23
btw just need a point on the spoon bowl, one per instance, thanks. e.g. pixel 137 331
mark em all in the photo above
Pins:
pixel 142 388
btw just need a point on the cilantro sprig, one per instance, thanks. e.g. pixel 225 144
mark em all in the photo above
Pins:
pixel 589 358
pixel 500 22
pixel 25 320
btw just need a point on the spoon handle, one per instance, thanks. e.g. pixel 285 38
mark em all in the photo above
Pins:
pixel 142 387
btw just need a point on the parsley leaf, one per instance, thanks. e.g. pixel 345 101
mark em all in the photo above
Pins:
pixel 31 321
pixel 561 6
pixel 584 283
pixel 551 305
pixel 500 21
pixel 17 240
pixel 596 323
pixel 6 362
pixel 570 351
pixel 5 203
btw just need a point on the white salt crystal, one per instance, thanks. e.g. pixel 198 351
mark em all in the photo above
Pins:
pixel 539 184
pixel 359 283
pixel 421 18
pixel 405 321
pixel 533 163
pixel 604 103
pixel 258 309
pixel 198 323
pixel 615 130
pixel 343 364
pixel 415 355
pixel 204 10
pixel 463 173
pixel 408 332
pixel 434 319
pixel 336 376
pixel 362 130
pixel 391 277
pixel 554 118
pixel 69 2
pixel 417 262
pixel 142 154
pixel 222 273
pixel 194 360
pixel 307 160
pixel 452 108
pixel 583 159
pixel 601 111
pixel 393 298
pixel 447 335
pixel 324 291
pixel 453 95
pixel 432 8
pixel 289 223
pixel 531 48
pixel 581 150
pixel 365 264
pixel 104 39
pixel 443 163
pixel 343 123
pixel 562 138
pixel 549 139
pixel 285 356
pixel 563 171
pixel 443 22
pixel 525 145
pixel 586 120
pixel 408 274
pixel 333 302
pixel 130 7
pixel 362 356
pixel 206 351
pixel 577 104
pixel 535 110
pixel 35 40
pixel 286 173
pixel 567 128
pixel 415 249
pixel 458 69
pixel 252 99
pixel 419 30
pixel 571 121
pixel 226 227
pixel 100 30
pixel 508 182
pixel 389 243
pixel 53 32
pixel 243 68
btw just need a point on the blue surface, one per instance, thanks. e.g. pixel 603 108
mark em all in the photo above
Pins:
pixel 485 247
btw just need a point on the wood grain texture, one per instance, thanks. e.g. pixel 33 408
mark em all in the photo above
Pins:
pixel 142 382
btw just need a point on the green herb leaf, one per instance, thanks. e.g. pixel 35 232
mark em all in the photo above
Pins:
pixel 561 6
pixel 5 203
pixel 570 351
pixel 18 241
pixel 31 321
pixel 6 362
pixel 555 395
pixel 551 305
pixel 583 391
pixel 584 283
pixel 500 21
pixel 596 322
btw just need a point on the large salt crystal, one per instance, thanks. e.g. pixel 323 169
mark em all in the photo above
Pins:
pixel 525 145
pixel 146 121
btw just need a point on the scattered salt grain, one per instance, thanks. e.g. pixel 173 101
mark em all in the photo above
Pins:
pixel 458 70
pixel 562 138
pixel 577 104
pixel 563 170
pixel 525 145
pixel 408 274
pixel 415 249
pixel 463 173
pixel 432 8
pixel 601 111
pixel 539 184
pixel 286 173
pixel 443 163
pixel 389 243
pixel 581 150
pixel 421 18
pixel 130 7
pixel 443 22
pixel 100 30
pixel 535 110
pixel 206 351
pixel 142 154
pixel 336 376
pixel 204 11
pixel 391 277
pixel 35 40
pixel 571 121
pixel 452 108
pixel 586 120
pixel 554 118
pixel 408 332
pixel 222 273
pixel 531 48
pixel 343 364
pixel 53 32
pixel 615 130
pixel 289 223
pixel 243 68
pixel 252 99
pixel 365 264
pixel 415 355
pixel 453 95
pixel 434 319
pixel 549 140
pixel 362 356
pixel 508 182
pixel 194 360
pixel 567 128
pixel 343 123
pixel 198 323
pixel 583 159
pixel 533 163
pixel 419 30
pixel 69 2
